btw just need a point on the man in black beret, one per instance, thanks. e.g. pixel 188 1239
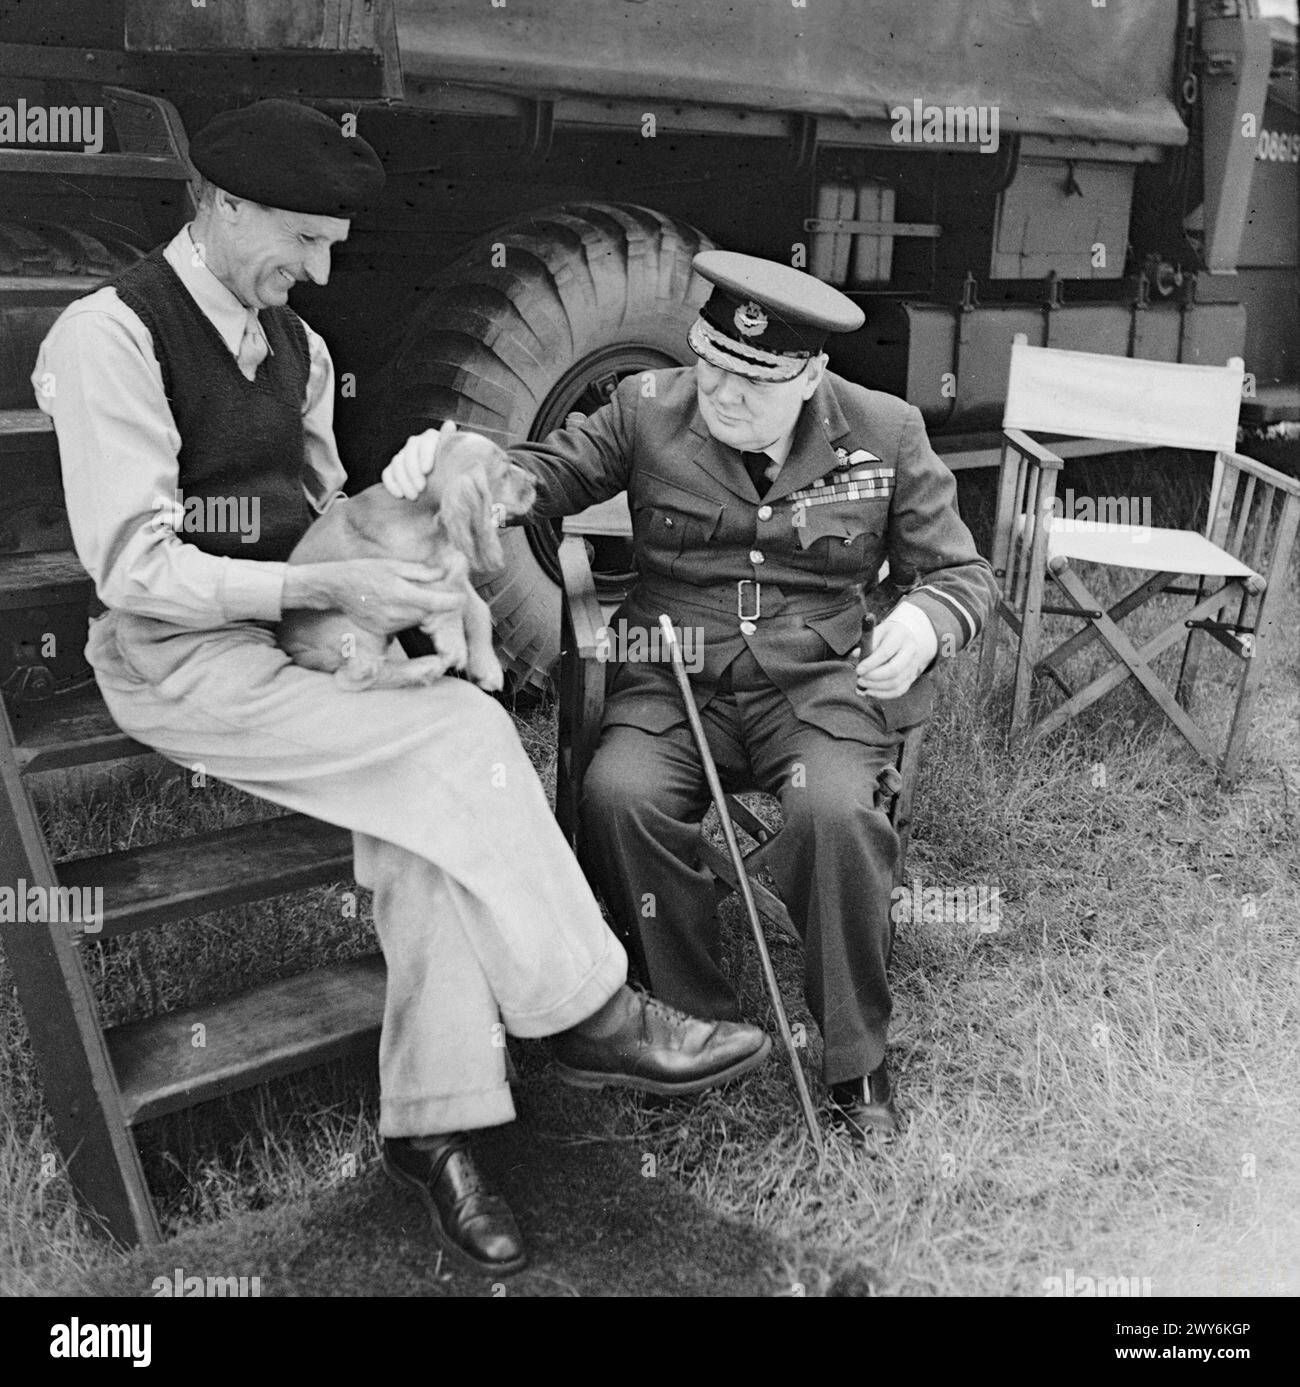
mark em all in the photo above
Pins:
pixel 194 413
pixel 764 491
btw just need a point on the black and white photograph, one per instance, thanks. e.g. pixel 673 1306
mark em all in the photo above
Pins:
pixel 649 650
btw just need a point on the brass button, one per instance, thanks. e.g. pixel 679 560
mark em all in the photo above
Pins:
pixel 747 628
pixel 765 512
pixel 755 556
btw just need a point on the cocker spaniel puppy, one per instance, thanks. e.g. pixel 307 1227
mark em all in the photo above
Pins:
pixel 451 526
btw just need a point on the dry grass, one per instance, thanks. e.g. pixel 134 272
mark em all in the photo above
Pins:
pixel 1107 1084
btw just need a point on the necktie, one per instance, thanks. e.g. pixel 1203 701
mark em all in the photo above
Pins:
pixel 252 346
pixel 756 464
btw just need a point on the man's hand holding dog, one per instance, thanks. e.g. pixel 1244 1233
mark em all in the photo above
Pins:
pixel 380 594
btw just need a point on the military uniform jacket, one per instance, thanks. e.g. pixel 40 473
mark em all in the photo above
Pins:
pixel 861 485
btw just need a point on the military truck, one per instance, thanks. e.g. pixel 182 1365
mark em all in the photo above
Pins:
pixel 1117 178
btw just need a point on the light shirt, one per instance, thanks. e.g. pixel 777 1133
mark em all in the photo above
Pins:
pixel 97 377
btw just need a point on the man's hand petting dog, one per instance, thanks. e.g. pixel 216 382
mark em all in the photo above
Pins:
pixel 408 473
pixel 394 561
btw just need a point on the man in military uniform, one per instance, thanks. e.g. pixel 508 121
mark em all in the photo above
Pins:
pixel 764 490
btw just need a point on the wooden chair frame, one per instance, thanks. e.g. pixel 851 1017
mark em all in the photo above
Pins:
pixel 581 706
pixel 1252 516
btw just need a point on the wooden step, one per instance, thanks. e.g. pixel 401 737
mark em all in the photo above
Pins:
pixel 72 164
pixel 276 1029
pixel 29 454
pixel 23 424
pixel 69 729
pixel 211 871
pixel 33 580
pixel 44 291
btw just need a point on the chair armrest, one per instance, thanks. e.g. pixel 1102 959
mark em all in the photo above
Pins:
pixel 1031 448
pixel 581 693
pixel 584 614
pixel 1264 472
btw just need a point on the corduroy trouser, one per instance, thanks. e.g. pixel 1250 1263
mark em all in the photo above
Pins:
pixel 487 925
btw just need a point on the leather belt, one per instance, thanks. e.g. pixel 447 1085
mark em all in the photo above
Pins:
pixel 747 600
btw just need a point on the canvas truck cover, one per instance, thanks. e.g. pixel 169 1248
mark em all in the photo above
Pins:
pixel 1052 67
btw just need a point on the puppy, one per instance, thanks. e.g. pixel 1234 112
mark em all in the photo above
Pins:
pixel 450 526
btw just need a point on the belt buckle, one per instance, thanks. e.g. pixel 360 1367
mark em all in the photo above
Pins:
pixel 740 599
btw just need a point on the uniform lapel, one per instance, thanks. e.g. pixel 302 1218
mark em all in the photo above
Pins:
pixel 821 427
pixel 718 461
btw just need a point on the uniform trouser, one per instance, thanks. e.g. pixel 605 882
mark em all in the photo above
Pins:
pixel 487 925
pixel 644 797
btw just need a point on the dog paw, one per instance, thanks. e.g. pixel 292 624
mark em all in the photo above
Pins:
pixel 356 675
pixel 488 676
pixel 428 669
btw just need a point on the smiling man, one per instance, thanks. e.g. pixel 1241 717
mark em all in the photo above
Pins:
pixel 764 490
pixel 189 373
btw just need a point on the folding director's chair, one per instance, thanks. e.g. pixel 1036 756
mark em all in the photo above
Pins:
pixel 1231 572
pixel 582 703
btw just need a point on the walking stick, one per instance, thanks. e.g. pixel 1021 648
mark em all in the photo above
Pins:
pixel 742 880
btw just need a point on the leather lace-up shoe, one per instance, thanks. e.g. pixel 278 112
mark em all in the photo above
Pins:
pixel 865 1107
pixel 659 1049
pixel 471 1224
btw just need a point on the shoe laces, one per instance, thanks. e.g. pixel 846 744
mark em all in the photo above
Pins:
pixel 470 1178
pixel 675 1018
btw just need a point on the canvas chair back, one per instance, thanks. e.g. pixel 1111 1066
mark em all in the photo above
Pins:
pixel 1158 403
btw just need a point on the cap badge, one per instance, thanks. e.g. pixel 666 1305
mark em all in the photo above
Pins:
pixel 750 320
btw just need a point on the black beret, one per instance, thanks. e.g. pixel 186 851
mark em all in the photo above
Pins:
pixel 283 154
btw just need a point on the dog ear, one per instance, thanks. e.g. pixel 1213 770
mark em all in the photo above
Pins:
pixel 467 518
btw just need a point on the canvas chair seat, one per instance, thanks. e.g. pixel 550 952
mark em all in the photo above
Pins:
pixel 1140 546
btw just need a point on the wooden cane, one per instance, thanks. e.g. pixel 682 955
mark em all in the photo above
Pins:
pixel 742 880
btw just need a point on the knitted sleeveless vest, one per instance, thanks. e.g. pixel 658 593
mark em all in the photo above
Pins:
pixel 242 452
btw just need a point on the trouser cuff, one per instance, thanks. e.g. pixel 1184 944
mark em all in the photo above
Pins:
pixel 451 1112
pixel 846 1062
pixel 601 983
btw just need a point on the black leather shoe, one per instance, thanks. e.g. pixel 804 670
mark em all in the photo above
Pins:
pixel 661 1050
pixel 865 1107
pixel 471 1224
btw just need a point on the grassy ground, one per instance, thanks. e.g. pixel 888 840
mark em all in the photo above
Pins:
pixel 1106 1085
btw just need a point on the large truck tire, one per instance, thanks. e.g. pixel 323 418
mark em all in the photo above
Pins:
pixel 539 318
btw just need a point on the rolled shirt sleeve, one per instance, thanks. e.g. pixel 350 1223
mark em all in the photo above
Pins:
pixel 97 378
pixel 324 475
